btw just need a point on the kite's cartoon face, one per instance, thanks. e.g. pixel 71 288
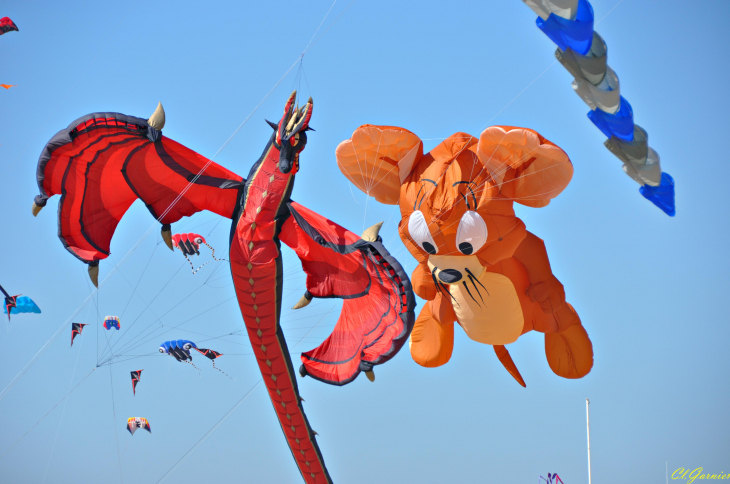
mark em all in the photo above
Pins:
pixel 457 224
pixel 456 220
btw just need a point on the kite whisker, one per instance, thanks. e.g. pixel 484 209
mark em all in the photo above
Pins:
pixel 476 288
pixel 470 295
pixel 449 292
pixel 474 278
pixel 436 282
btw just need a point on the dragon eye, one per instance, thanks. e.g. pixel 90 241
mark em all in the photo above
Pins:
pixel 187 346
pixel 418 228
pixel 162 350
pixel 198 240
pixel 471 234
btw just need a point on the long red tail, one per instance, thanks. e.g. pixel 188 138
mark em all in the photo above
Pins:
pixel 257 275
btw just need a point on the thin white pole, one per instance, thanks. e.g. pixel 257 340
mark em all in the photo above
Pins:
pixel 588 427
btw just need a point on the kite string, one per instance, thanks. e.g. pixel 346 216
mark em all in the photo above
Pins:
pixel 157 318
pixel 110 37
pixel 248 393
pixel 47 413
pixel 24 370
pixel 146 308
pixel 63 413
pixel 35 357
pixel 150 337
pixel 43 349
pixel 543 72
pixel 138 243
pixel 116 435
pixel 298 60
pixel 134 290
pixel 230 411
pixel 319 27
pixel 517 96
pixel 109 363
pixel 202 439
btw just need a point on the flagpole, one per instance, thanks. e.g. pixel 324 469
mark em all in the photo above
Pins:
pixel 588 428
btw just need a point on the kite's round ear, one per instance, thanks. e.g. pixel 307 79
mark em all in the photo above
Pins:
pixel 528 168
pixel 377 159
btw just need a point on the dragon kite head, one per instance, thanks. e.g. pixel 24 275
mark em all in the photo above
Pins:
pixel 291 137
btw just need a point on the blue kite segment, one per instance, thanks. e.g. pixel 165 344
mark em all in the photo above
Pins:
pixel 24 304
pixel 575 34
pixel 661 196
pixel 583 53
pixel 180 349
pixel 620 124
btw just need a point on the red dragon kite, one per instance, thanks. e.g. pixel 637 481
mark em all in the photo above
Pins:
pixel 103 162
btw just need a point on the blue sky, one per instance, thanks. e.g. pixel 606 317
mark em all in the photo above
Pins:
pixel 651 290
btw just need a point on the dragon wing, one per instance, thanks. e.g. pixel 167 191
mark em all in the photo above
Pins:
pixel 378 310
pixel 103 162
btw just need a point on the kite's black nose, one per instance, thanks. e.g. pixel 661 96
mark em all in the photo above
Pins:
pixel 450 276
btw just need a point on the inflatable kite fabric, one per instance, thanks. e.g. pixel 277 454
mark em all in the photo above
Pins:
pixel 18 304
pixel 583 53
pixel 103 162
pixel 7 25
pixel 189 245
pixel 134 423
pixel 180 350
pixel 111 322
pixel 477 264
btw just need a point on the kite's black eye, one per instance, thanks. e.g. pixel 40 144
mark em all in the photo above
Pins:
pixel 429 248
pixel 466 248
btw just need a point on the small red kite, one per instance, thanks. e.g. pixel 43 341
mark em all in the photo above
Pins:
pixel 7 25
pixel 136 375
pixel 76 329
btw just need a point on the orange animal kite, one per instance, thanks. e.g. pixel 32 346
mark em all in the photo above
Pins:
pixel 477 264
pixel 7 86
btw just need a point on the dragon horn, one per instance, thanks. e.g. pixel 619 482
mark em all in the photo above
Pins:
pixel 167 235
pixel 303 301
pixel 157 120
pixel 94 273
pixel 371 234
